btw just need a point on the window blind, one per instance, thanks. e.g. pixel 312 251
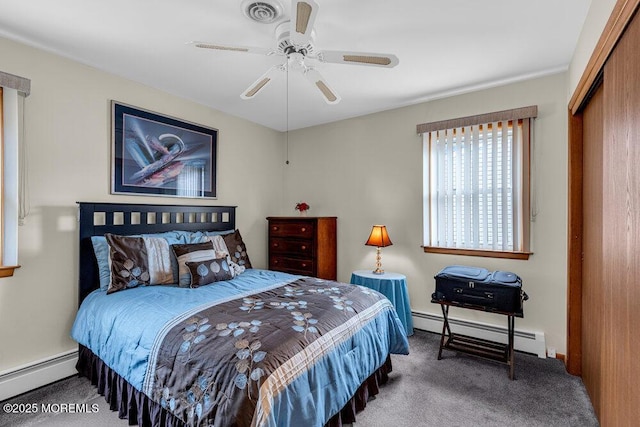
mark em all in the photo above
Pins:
pixel 13 90
pixel 476 181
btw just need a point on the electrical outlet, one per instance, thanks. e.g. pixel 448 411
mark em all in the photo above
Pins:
pixel 551 352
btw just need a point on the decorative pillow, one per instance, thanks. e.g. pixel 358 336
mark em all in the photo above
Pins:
pixel 237 249
pixel 138 261
pixel 217 241
pixel 209 271
pixel 219 245
pixel 101 250
pixel 191 253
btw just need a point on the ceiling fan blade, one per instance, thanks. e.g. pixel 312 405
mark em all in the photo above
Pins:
pixel 330 95
pixel 303 15
pixel 231 48
pixel 262 82
pixel 358 58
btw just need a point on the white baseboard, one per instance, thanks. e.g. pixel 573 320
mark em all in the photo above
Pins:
pixel 33 375
pixel 527 341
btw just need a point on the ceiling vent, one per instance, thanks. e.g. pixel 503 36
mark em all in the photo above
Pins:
pixel 264 12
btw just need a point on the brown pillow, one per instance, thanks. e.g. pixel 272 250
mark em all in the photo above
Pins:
pixel 191 253
pixel 209 271
pixel 129 266
pixel 237 249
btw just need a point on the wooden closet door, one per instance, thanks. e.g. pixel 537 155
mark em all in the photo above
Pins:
pixel 620 373
pixel 592 288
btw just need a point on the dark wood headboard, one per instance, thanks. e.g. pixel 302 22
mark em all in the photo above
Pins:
pixel 96 219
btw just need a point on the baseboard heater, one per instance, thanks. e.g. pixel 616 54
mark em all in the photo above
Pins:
pixel 36 374
pixel 526 341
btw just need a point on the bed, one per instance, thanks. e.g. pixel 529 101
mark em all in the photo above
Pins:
pixel 252 348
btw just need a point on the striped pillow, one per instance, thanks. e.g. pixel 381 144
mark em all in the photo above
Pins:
pixel 192 253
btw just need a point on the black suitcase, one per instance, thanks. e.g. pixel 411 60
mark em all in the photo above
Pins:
pixel 478 287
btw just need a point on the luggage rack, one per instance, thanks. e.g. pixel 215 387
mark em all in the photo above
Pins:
pixel 485 349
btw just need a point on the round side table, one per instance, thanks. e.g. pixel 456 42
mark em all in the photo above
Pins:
pixel 391 285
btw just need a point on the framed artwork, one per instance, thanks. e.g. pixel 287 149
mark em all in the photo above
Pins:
pixel 157 155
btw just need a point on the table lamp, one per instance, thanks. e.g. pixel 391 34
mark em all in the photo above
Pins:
pixel 380 239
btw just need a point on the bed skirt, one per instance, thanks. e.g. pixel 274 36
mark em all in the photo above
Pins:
pixel 137 408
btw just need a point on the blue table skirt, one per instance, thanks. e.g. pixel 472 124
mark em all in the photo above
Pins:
pixel 391 285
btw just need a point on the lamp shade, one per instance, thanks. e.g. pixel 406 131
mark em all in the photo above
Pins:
pixel 379 237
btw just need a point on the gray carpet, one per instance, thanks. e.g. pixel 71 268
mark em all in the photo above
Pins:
pixel 422 391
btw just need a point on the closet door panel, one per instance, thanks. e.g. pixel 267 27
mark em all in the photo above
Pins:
pixel 592 287
pixel 621 231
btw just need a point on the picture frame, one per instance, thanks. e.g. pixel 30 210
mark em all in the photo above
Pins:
pixel 158 155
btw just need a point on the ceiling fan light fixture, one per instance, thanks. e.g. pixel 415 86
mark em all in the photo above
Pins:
pixel 264 12
pixel 285 45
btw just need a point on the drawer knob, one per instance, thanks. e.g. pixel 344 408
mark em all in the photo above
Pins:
pixel 275 245
pixel 304 264
pixel 275 262
pixel 303 247
pixel 275 228
pixel 303 229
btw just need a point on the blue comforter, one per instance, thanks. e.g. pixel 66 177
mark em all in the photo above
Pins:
pixel 126 329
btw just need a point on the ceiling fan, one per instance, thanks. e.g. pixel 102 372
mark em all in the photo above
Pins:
pixel 295 42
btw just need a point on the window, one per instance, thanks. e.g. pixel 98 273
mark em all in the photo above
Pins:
pixel 476 184
pixel 12 89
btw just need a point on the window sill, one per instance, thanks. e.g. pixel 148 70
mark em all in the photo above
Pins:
pixel 477 252
pixel 7 270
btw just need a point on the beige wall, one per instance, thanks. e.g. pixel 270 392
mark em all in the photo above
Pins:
pixel 368 170
pixel 68 143
pixel 596 19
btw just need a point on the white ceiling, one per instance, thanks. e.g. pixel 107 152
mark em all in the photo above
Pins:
pixel 444 47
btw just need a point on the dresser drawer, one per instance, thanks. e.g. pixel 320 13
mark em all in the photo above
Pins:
pixel 291 265
pixel 302 248
pixel 303 245
pixel 297 229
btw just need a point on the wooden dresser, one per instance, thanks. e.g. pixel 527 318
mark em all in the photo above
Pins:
pixel 303 245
